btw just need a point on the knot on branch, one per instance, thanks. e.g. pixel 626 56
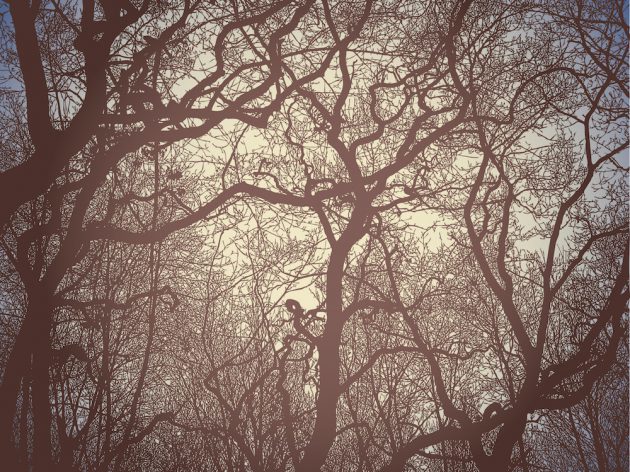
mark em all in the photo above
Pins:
pixel 294 307
pixel 492 409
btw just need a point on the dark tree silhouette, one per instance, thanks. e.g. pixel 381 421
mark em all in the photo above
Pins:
pixel 313 235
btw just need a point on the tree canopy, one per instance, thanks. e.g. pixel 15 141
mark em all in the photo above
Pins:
pixel 314 235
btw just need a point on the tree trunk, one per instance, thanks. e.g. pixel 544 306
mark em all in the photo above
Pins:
pixel 42 416
pixel 14 372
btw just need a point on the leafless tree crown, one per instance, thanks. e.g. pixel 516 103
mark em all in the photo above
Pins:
pixel 313 235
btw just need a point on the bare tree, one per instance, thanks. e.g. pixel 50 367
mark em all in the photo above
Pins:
pixel 314 235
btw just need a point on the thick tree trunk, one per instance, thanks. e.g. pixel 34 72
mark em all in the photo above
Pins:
pixel 42 416
pixel 14 372
pixel 325 428
pixel 328 362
